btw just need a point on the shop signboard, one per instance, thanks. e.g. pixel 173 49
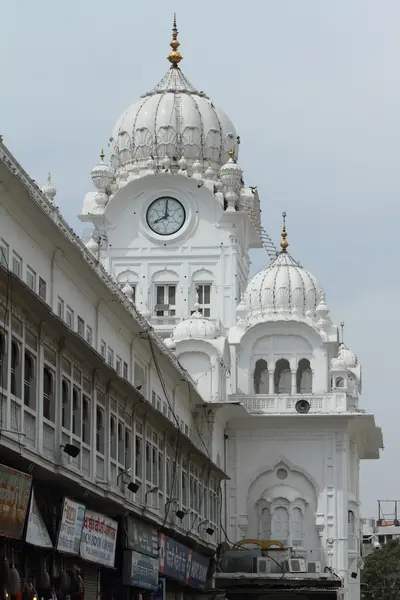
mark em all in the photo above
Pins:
pixel 71 525
pixel 140 570
pixel 198 570
pixel 175 559
pixel 99 538
pixel 181 563
pixel 142 537
pixel 15 490
pixel 36 530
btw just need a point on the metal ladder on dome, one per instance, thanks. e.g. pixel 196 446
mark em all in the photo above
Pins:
pixel 265 239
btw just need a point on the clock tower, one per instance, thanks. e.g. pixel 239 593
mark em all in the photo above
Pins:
pixel 173 219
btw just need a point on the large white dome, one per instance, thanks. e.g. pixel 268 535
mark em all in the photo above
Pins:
pixel 283 288
pixel 173 120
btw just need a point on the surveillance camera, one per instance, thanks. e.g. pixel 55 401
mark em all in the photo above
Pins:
pixel 377 545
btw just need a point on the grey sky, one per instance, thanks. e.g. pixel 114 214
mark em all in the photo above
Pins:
pixel 313 89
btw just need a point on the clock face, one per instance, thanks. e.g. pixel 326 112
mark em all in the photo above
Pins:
pixel 165 216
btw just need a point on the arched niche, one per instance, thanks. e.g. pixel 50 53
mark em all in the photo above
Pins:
pixel 282 503
pixel 282 377
pixel 261 377
pixel 304 377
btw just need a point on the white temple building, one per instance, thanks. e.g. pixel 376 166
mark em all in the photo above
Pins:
pixel 173 223
pixel 277 401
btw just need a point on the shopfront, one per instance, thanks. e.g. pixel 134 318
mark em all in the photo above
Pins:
pixel 87 541
pixel 185 571
pixel 140 560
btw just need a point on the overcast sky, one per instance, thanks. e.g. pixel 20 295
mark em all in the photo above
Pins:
pixel 313 89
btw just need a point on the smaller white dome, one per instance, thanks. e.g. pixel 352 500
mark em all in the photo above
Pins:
pixel 196 326
pixel 346 359
pixel 49 190
pixel 102 174
pixel 282 288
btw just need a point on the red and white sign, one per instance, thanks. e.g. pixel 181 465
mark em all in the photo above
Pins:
pixel 99 539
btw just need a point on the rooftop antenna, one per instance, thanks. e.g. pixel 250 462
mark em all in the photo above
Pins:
pixel 341 332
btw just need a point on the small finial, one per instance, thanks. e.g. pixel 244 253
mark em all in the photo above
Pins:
pixel 196 302
pixel 49 178
pixel 175 56
pixel 102 155
pixel 230 153
pixel 284 242
pixel 341 331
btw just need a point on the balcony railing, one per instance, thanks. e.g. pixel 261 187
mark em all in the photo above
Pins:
pixel 269 404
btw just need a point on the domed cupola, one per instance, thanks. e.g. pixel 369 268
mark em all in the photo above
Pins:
pixel 346 359
pixel 174 121
pixel 283 290
pixel 196 326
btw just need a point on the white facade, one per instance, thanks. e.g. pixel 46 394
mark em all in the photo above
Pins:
pixel 80 366
pixel 271 396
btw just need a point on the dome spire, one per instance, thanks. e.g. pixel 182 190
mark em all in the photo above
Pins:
pixel 175 56
pixel 284 242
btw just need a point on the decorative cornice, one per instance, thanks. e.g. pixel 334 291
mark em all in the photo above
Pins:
pixel 12 165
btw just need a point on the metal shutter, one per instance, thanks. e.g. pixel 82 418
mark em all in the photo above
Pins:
pixel 90 582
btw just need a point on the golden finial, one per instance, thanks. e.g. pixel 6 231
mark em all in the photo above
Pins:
pixel 102 155
pixel 230 153
pixel 284 242
pixel 175 56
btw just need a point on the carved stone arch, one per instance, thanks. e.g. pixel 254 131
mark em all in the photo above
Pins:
pixel 128 276
pixel 290 466
pixel 203 276
pixel 165 276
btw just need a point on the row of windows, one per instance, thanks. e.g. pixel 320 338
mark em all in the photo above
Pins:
pixel 163 406
pixel 165 299
pixel 280 380
pixel 32 279
pixel 64 311
pixel 113 434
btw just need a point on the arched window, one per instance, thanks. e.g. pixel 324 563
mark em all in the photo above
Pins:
pixel 113 438
pixel 76 412
pixel 99 430
pixel 304 377
pixel 297 528
pixel 339 382
pixel 65 409
pixel 351 524
pixel 15 369
pixel 266 524
pixel 86 420
pixel 261 377
pixel 282 377
pixel 280 525
pixel 29 380
pixel 48 395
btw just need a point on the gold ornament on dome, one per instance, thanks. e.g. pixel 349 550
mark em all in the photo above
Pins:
pixel 175 56
pixel 284 242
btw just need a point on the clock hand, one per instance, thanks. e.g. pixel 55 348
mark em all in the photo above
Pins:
pixel 166 210
pixel 160 219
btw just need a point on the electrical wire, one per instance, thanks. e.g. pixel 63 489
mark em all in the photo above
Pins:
pixel 178 437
